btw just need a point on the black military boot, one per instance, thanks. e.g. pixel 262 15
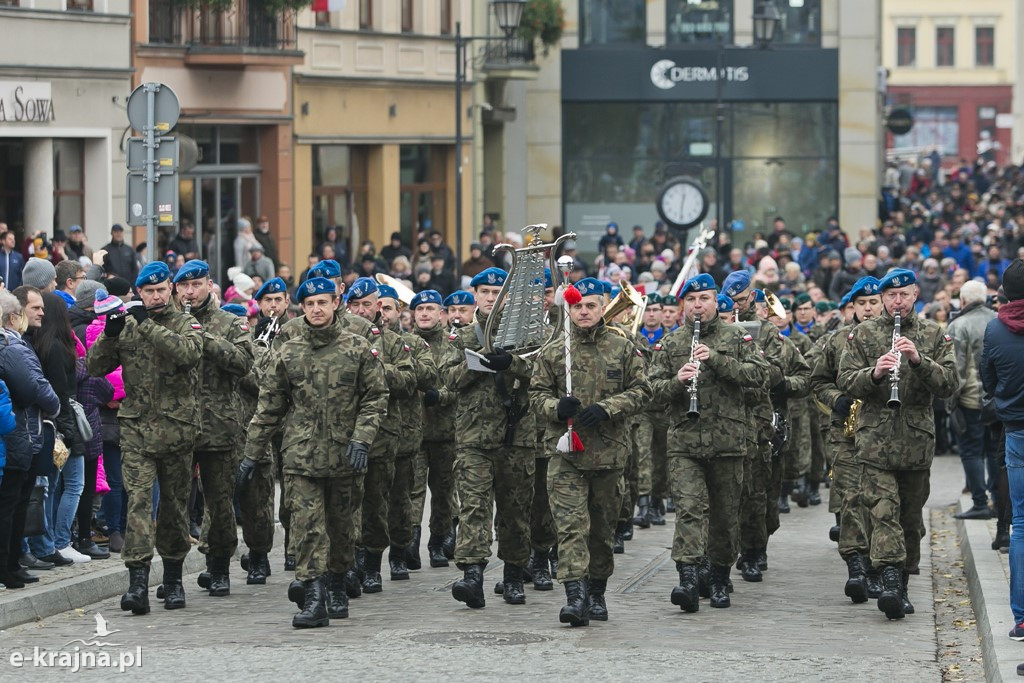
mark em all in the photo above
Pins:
pixel 762 559
pixel 749 571
pixel 618 542
pixel 448 546
pixel 512 578
pixel 289 558
pixel 627 529
pixel 833 532
pixel 244 561
pixel 203 580
pixel 258 563
pixel 873 579
pixel 857 584
pixel 470 588
pixel 361 563
pixel 434 551
pixel 719 585
pixel 337 599
pixel 174 592
pixel 643 515
pixel 136 599
pixel 686 593
pixel 658 512
pixel 314 607
pixel 577 610
pixel 353 586
pixel 598 609
pixel 813 497
pixel 801 495
pixel 412 552
pixel 372 582
pixel 499 587
pixel 891 599
pixel 396 560
pixel 704 577
pixel 220 581
pixel 670 505
pixel 539 566
pixel 553 561
pixel 1002 539
pixel 907 607
pixel 787 486
pixel 297 592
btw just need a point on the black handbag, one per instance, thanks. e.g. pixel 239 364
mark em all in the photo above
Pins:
pixel 35 521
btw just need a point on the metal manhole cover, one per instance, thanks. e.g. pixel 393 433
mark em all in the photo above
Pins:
pixel 477 638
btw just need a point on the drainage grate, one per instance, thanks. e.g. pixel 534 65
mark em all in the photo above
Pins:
pixel 477 638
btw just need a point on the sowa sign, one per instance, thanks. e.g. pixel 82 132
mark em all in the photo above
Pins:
pixel 26 102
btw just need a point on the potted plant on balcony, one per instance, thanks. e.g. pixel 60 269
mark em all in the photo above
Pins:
pixel 544 20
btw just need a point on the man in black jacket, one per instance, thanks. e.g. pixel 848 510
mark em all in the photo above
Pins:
pixel 120 258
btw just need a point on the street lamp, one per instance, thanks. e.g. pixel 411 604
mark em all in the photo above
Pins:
pixel 508 14
pixel 766 22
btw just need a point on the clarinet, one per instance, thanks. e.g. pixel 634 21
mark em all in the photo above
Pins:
pixel 894 373
pixel 694 412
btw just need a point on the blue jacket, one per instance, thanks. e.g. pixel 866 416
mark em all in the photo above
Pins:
pixel 20 369
pixel 963 257
pixel 6 421
pixel 1002 371
pixel 11 266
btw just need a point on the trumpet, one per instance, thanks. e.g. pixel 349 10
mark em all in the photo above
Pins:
pixel 694 412
pixel 269 332
pixel 894 373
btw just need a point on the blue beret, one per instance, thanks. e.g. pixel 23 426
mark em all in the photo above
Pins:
pixel 274 285
pixel 615 291
pixel 387 292
pixel 725 304
pixel 607 286
pixel 362 288
pixel 866 286
pixel 315 285
pixel 492 277
pixel 427 296
pixel 589 286
pixel 759 296
pixel 900 277
pixel 735 283
pixel 192 270
pixel 153 273
pixel 700 283
pixel 547 279
pixel 328 269
pixel 654 299
pixel 235 309
pixel 459 298
pixel 845 300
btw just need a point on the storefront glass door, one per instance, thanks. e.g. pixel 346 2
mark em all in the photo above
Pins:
pixel 214 203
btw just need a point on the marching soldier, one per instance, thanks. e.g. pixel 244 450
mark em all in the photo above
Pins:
pixel 804 323
pixel 159 350
pixel 325 389
pixel 652 328
pixel 796 456
pixel 585 487
pixel 852 526
pixel 670 313
pixel 374 496
pixel 494 460
pixel 706 449
pixel 543 536
pixel 461 306
pixel 897 373
pixel 349 322
pixel 227 358
pixel 726 309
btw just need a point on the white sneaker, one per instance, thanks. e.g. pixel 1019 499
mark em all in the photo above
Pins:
pixel 70 553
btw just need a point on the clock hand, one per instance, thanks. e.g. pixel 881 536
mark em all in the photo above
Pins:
pixel 682 204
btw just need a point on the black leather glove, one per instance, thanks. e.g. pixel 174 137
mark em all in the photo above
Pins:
pixel 115 324
pixel 499 361
pixel 431 397
pixel 568 406
pixel 246 471
pixel 779 392
pixel 842 406
pixel 262 325
pixel 592 416
pixel 139 313
pixel 358 455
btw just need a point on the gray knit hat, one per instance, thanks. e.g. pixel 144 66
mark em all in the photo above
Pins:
pixel 85 295
pixel 38 273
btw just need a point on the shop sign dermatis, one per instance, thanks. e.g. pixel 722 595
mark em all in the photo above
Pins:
pixel 26 102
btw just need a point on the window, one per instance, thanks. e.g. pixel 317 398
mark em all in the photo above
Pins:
pixel 339 192
pixel 322 18
pixel 944 46
pixel 423 189
pixel 605 22
pixel 68 183
pixel 8 3
pixel 800 22
pixel 366 14
pixel 446 17
pixel 984 45
pixel 80 5
pixel 906 46
pixel 407 16
pixel 699 21
pixel 937 127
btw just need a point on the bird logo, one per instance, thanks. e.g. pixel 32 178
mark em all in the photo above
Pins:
pixel 102 631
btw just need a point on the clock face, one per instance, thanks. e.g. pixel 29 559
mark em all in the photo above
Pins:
pixel 682 203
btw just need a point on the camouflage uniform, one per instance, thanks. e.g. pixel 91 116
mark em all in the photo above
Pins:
pixel 797 374
pixel 324 387
pixel 585 488
pixel 256 499
pixel 706 454
pixel 227 357
pixel 896 447
pixel 159 420
pixel 494 459
pixel 796 456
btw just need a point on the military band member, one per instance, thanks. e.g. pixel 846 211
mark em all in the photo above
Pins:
pixel 374 493
pixel 227 358
pixel 159 350
pixel 798 469
pixel 670 313
pixel 331 270
pixel 461 306
pixel 897 378
pixel 325 389
pixel 543 535
pixel 706 450
pixel 584 488
pixel 494 462
pixel 726 309
pixel 652 328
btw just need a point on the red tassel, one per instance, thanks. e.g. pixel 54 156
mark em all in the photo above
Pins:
pixel 572 296
pixel 577 445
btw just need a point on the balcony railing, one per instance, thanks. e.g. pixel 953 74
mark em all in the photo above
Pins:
pixel 244 25
pixel 511 52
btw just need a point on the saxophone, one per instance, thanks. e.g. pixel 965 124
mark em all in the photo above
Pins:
pixel 694 412
pixel 850 425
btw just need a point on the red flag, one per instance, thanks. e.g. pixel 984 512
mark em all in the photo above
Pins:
pixel 328 5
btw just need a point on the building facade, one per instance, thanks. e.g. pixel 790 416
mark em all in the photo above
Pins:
pixel 954 67
pixel 65 75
